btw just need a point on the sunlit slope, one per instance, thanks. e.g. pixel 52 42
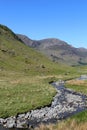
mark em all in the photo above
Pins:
pixel 14 55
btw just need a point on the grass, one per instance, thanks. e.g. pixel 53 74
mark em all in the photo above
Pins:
pixel 22 91
pixel 69 125
pixel 78 85
pixel 21 94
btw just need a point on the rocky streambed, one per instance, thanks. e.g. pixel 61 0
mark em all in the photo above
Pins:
pixel 64 104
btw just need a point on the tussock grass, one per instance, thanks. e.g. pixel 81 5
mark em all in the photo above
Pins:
pixel 77 85
pixel 21 93
pixel 76 82
pixel 64 125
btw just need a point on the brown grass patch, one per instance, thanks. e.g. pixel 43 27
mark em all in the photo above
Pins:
pixel 64 125
pixel 76 82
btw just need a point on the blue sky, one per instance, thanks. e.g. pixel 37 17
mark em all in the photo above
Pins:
pixel 39 19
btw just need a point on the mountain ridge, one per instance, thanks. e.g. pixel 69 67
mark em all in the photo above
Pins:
pixel 58 50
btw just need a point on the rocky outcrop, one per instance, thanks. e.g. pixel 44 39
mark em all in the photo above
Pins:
pixel 64 104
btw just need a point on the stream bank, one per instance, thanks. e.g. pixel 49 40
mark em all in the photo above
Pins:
pixel 64 104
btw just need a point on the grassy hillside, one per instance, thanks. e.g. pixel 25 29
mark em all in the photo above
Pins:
pixel 24 75
pixel 16 56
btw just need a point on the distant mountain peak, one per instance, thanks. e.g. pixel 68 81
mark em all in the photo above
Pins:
pixel 58 50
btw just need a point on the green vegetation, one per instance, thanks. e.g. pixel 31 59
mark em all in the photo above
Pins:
pixel 24 77
pixel 77 85
pixel 64 125
pixel 21 93
pixel 80 117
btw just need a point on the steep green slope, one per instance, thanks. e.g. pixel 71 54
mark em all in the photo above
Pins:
pixel 14 55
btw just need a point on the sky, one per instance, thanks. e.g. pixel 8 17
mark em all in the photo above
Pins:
pixel 40 19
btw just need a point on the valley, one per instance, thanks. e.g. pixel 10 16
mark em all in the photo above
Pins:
pixel 25 73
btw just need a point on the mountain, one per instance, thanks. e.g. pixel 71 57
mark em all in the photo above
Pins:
pixel 16 56
pixel 58 50
pixel 28 41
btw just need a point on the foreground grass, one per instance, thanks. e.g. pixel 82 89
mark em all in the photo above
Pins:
pixel 21 93
pixel 64 125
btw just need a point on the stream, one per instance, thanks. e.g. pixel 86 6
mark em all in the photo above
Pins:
pixel 65 104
